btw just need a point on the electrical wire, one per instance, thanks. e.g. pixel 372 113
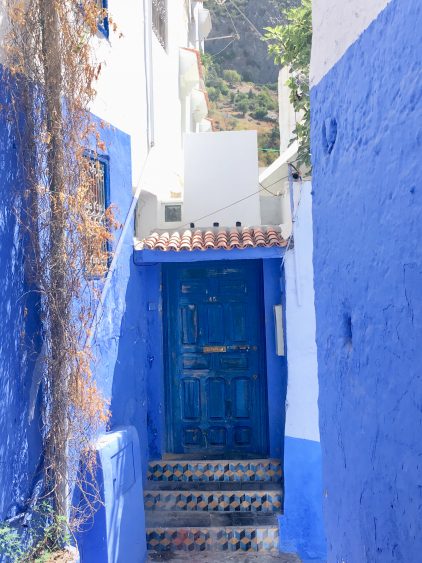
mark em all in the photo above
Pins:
pixel 226 47
pixel 262 188
pixel 245 17
pixel 222 208
pixel 231 18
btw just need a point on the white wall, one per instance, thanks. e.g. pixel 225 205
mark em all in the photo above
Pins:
pixel 302 390
pixel 336 25
pixel 221 168
pixel 121 88
pixel 3 31
pixel 287 115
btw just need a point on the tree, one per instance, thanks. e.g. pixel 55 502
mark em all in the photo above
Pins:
pixel 290 45
pixel 232 77
pixel 242 106
pixel 260 113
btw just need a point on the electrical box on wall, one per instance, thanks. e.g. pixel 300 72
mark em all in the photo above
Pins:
pixel 279 330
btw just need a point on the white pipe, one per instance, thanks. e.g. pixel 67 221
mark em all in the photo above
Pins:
pixel 149 75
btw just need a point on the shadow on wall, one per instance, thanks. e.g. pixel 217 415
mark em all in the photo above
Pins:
pixel 20 442
pixel 129 397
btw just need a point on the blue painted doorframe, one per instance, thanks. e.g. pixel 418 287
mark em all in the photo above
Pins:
pixel 215 359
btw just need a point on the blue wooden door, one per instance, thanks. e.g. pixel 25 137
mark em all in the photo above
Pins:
pixel 216 379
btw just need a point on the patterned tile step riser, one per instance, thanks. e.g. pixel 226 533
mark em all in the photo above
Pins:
pixel 213 539
pixel 201 519
pixel 236 501
pixel 260 470
pixel 213 486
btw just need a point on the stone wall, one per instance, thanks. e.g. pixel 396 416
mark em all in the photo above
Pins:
pixel 367 204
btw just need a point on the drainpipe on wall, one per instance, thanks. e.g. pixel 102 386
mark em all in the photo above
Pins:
pixel 149 75
pixel 295 249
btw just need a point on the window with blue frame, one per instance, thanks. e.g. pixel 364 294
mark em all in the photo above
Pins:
pixel 103 23
pixel 98 248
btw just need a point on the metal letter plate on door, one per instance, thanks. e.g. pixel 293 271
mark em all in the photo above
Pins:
pixel 214 349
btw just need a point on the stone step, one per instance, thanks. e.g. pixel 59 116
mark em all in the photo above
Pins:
pixel 212 486
pixel 209 501
pixel 221 539
pixel 212 519
pixel 258 470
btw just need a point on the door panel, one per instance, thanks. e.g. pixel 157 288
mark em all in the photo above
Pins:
pixel 216 394
pixel 215 323
pixel 215 370
pixel 191 400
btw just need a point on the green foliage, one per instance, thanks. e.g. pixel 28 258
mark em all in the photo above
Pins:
pixel 232 77
pixel 224 89
pixel 269 146
pixel 290 45
pixel 50 534
pixel 242 106
pixel 264 100
pixel 273 86
pixel 260 113
pixel 213 94
pixel 10 546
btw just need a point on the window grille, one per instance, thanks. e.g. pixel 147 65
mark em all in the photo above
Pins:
pixel 159 20
pixel 97 251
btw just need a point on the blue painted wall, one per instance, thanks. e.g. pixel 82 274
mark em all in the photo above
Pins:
pixel 19 332
pixel 276 365
pixel 120 367
pixel 301 526
pixel 368 284
pixel 121 370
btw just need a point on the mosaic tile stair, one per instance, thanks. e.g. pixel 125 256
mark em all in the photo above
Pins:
pixel 267 470
pixel 222 506
pixel 220 501
pixel 221 539
pixel 213 485
pixel 210 519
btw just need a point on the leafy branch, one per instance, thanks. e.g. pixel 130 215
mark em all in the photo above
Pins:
pixel 290 46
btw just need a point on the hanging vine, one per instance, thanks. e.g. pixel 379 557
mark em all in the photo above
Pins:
pixel 51 75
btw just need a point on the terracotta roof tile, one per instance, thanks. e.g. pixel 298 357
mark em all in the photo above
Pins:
pixel 216 238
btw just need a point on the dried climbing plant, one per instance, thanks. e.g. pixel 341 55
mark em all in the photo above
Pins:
pixel 51 76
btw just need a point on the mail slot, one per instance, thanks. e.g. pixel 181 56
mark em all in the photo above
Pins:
pixel 214 349
pixel 242 348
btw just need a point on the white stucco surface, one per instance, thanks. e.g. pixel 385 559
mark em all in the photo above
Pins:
pixel 287 115
pixel 220 169
pixel 3 32
pixel 121 89
pixel 336 25
pixel 302 389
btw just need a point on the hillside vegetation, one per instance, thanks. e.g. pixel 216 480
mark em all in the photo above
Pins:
pixel 238 105
pixel 247 54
